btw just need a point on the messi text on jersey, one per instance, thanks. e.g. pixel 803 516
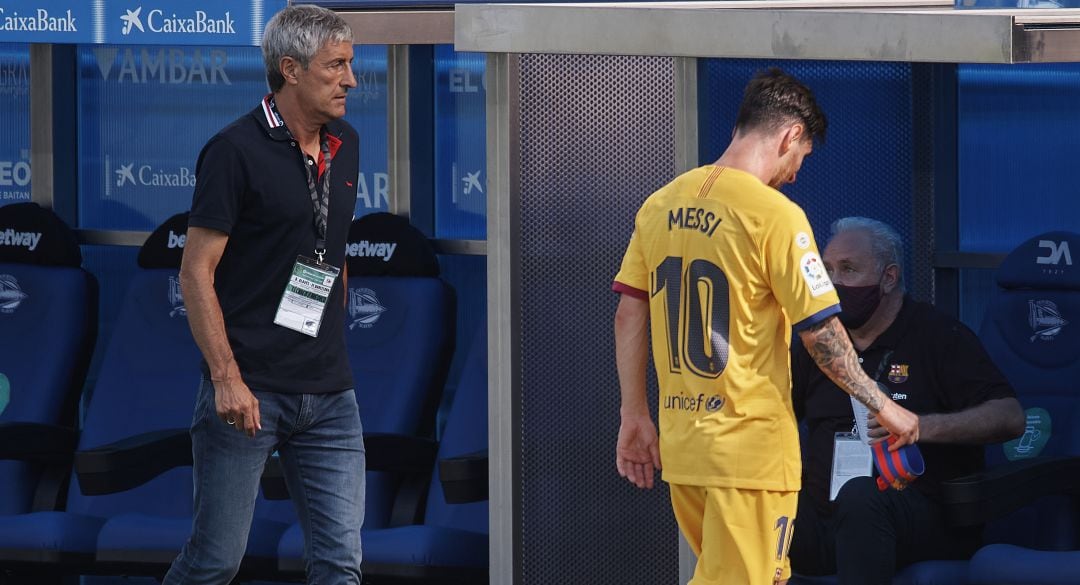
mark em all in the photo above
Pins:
pixel 693 218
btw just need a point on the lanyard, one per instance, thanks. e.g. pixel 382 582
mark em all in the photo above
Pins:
pixel 881 365
pixel 877 375
pixel 320 198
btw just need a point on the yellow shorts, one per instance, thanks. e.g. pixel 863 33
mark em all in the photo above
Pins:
pixel 740 537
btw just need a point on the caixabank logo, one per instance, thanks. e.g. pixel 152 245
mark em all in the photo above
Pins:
pixel 178 22
pixel 38 19
pixel 191 22
pixel 128 173
pixel 155 22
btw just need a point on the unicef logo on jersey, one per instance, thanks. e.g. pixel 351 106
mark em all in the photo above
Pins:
pixel 694 403
pixel 364 308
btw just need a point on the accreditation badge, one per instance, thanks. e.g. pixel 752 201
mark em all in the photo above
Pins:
pixel 851 458
pixel 306 294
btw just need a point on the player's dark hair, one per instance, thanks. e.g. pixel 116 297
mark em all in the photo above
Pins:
pixel 773 99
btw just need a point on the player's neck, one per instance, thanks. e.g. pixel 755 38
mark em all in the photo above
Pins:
pixel 750 155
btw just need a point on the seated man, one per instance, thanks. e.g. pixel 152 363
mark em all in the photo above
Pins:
pixel 932 365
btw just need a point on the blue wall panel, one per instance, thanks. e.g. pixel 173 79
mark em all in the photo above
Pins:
pixel 866 165
pixel 460 145
pixel 366 111
pixel 14 123
pixel 146 111
pixel 144 114
pixel 1019 134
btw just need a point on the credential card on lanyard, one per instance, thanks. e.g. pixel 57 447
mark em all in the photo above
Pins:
pixel 305 297
pixel 851 458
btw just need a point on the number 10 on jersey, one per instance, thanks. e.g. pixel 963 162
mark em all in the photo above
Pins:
pixel 697 315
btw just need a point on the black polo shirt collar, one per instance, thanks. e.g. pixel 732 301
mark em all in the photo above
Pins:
pixel 275 128
pixel 270 123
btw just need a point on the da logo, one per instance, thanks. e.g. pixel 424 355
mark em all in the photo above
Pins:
pixel 5 392
pixel 176 298
pixel 11 296
pixel 898 373
pixel 1056 251
pixel 364 308
pixel 1045 320
pixel 1036 435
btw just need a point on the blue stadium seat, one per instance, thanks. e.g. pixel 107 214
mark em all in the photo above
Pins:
pixel 400 337
pixel 129 506
pixel 48 320
pixel 146 382
pixel 1032 330
pixel 451 544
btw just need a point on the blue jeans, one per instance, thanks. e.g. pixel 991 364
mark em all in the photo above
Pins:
pixel 320 441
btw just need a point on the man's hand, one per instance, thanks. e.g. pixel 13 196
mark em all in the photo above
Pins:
pixel 237 406
pixel 899 422
pixel 637 454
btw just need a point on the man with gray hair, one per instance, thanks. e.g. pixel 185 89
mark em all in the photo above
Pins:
pixel 931 364
pixel 263 285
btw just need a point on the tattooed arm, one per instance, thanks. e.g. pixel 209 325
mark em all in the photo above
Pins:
pixel 830 347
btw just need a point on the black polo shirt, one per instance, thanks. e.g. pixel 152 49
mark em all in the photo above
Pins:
pixel 251 184
pixel 930 362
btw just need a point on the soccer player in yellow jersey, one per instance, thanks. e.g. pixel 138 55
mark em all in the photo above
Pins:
pixel 723 267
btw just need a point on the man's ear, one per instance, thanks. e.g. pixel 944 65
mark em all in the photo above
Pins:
pixel 288 66
pixel 791 136
pixel 890 278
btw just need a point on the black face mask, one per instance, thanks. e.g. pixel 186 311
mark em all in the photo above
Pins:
pixel 858 303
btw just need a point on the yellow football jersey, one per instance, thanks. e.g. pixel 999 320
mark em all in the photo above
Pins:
pixel 729 266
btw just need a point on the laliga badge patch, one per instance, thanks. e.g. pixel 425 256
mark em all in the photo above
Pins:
pixel 813 272
pixel 304 300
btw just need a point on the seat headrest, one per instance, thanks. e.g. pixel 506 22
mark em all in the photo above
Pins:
pixel 1043 262
pixel 384 244
pixel 165 246
pixel 31 234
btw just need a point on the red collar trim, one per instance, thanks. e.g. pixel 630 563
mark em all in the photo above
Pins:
pixel 334 143
pixel 271 120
